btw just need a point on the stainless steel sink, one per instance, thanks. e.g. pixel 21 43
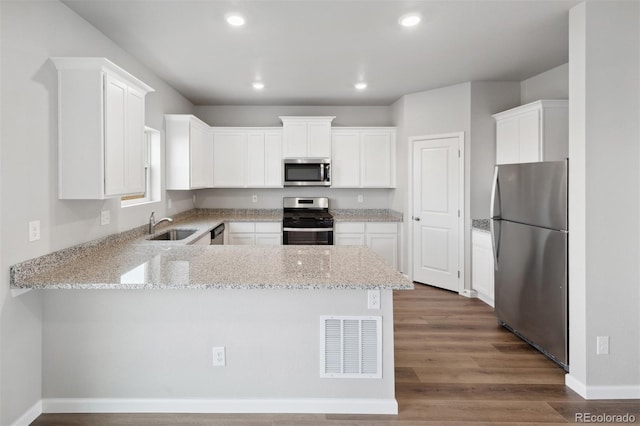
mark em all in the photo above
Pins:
pixel 174 235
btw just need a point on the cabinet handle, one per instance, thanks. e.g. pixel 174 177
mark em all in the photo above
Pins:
pixel 416 218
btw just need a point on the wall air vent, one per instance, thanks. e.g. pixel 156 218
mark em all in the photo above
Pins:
pixel 351 347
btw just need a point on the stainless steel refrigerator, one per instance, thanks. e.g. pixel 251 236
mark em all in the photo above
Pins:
pixel 529 229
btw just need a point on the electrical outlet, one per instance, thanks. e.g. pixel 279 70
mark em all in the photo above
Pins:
pixel 360 198
pixel 34 230
pixel 219 358
pixel 169 204
pixel 105 217
pixel 373 299
pixel 254 198
pixel 194 199
pixel 603 345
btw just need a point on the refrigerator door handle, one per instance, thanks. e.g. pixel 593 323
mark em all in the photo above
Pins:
pixel 493 224
pixel 496 211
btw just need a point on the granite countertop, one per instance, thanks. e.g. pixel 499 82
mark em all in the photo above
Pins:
pixel 366 215
pixel 481 224
pixel 130 261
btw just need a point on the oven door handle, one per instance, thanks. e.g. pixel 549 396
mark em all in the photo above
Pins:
pixel 307 229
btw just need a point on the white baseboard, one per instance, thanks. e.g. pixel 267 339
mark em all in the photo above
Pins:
pixel 471 294
pixel 602 392
pixel 29 416
pixel 144 405
pixel 486 299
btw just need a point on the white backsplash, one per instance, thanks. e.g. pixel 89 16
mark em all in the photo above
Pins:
pixel 272 198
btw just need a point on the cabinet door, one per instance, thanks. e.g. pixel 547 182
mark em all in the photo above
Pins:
pixel 376 159
pixel 115 134
pixel 229 159
pixel 385 245
pixel 242 239
pixel 256 153
pixel 529 137
pixel 507 141
pixel 273 159
pixel 354 239
pixel 268 239
pixel 201 160
pixel 345 162
pixel 319 140
pixel 135 160
pixel 295 139
pixel 482 266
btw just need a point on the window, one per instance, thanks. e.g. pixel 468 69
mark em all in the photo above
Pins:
pixel 151 169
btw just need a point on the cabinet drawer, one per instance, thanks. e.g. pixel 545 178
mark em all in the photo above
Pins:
pixel 382 227
pixel 238 227
pixel 348 227
pixel 268 227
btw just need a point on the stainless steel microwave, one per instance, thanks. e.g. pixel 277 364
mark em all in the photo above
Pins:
pixel 307 172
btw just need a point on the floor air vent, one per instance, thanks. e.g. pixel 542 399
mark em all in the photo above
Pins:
pixel 351 347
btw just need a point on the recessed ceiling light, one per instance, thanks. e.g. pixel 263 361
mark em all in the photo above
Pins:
pixel 235 20
pixel 360 86
pixel 258 85
pixel 409 20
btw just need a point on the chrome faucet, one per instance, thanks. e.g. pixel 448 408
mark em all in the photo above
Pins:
pixel 153 223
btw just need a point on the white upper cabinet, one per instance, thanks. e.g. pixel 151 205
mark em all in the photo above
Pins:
pixel 264 159
pixel 306 137
pixel 538 131
pixel 101 114
pixel 363 157
pixel 247 157
pixel 229 158
pixel 189 148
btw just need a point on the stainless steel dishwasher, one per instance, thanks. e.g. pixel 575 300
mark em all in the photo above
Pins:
pixel 217 235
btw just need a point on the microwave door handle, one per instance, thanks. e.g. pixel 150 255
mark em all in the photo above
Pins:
pixel 327 169
pixel 321 172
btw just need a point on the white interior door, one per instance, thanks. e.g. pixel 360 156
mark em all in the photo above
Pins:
pixel 436 217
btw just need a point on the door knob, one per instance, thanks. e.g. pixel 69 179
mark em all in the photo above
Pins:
pixel 416 218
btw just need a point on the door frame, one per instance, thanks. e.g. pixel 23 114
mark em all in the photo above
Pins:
pixel 461 204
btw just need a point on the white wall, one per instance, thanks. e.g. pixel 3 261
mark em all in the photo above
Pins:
pixel 267 115
pixel 31 33
pixel 551 84
pixel 487 98
pixel 437 111
pixel 100 344
pixel 604 198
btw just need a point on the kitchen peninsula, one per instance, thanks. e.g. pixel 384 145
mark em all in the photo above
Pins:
pixel 129 346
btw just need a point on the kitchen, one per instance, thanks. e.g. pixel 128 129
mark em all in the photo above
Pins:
pixel 33 32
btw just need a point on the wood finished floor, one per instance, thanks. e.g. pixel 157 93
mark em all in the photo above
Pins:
pixel 454 366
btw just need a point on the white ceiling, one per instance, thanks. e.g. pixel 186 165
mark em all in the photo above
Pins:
pixel 312 52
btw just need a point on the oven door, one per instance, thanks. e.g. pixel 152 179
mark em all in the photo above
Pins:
pixel 307 236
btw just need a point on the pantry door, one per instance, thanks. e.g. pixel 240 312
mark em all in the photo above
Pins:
pixel 436 211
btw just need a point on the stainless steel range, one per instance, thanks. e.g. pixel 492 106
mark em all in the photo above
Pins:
pixel 307 221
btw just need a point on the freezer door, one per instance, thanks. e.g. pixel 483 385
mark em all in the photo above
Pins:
pixel 532 193
pixel 531 285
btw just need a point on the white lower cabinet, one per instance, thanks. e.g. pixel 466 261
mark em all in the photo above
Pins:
pixel 254 233
pixel 380 237
pixel 482 265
